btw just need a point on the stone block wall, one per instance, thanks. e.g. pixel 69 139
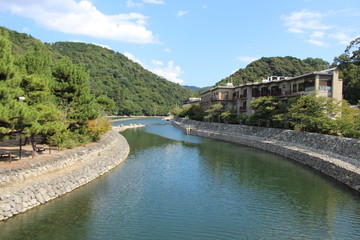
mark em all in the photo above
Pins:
pixel 30 186
pixel 334 156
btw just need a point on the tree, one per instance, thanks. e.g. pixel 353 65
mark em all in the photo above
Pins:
pixel 314 114
pixel 214 112
pixel 265 108
pixel 349 65
pixel 72 92
pixel 107 104
pixel 6 59
pixel 349 120
pixel 353 50
pixel 35 82
pixel 194 112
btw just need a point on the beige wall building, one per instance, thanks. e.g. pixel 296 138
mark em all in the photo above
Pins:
pixel 325 83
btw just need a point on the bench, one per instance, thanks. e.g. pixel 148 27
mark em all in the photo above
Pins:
pixel 5 155
pixel 40 149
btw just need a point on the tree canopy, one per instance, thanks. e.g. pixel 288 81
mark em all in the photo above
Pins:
pixel 39 96
pixel 349 64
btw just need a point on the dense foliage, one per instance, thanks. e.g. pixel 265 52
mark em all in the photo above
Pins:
pixel 349 64
pixel 134 90
pixel 308 113
pixel 274 66
pixel 39 96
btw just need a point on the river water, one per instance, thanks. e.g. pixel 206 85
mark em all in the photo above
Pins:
pixel 175 186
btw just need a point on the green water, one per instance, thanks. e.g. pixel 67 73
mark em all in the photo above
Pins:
pixel 175 186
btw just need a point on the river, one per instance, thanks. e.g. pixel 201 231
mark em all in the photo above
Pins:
pixel 176 186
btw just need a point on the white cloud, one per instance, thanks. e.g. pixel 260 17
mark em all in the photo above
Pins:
pixel 170 72
pixel 298 22
pixel 102 45
pixel 133 58
pixel 154 1
pixel 167 50
pixel 246 59
pixel 317 34
pixel 167 70
pixel 26 30
pixel 70 16
pixel 312 26
pixel 342 37
pixel 157 63
pixel 131 4
pixel 318 43
pixel 181 13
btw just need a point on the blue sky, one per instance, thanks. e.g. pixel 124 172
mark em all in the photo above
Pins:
pixel 193 42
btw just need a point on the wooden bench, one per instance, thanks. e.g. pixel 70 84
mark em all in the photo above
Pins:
pixel 6 155
pixel 40 149
pixel 2 155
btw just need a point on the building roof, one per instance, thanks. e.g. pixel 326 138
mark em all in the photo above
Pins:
pixel 323 72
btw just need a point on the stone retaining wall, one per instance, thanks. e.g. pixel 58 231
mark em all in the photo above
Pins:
pixel 30 186
pixel 334 156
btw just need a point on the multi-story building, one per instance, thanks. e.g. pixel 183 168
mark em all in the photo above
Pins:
pixel 325 83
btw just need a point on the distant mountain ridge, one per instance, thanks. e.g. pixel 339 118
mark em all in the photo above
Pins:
pixel 190 87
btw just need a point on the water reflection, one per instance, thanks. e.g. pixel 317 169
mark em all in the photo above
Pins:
pixel 175 186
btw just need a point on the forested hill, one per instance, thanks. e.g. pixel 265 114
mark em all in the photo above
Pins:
pixel 135 90
pixel 275 66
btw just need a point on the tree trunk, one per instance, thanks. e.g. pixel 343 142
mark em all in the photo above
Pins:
pixel 33 144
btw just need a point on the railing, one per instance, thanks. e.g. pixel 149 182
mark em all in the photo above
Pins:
pixel 277 94
pixel 219 98
pixel 257 94
pixel 242 109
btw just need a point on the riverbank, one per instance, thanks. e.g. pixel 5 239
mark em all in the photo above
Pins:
pixel 121 128
pixel 26 186
pixel 334 156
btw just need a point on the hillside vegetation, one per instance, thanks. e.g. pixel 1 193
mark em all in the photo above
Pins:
pixel 275 66
pixel 134 90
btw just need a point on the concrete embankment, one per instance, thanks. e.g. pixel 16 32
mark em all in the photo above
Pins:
pixel 334 156
pixel 29 186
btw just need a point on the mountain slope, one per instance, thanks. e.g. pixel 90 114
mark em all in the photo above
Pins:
pixel 135 90
pixel 275 66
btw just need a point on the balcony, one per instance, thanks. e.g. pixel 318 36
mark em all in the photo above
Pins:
pixel 219 98
pixel 256 94
pixel 242 109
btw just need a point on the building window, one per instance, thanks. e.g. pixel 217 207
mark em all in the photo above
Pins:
pixel 224 95
pixel 301 87
pixel 325 85
pixel 295 87
pixel 309 84
pixel 255 92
